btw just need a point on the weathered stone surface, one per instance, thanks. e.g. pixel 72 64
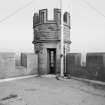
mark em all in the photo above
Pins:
pixel 47 32
pixel 29 60
pixel 95 59
pixel 20 71
pixel 7 64
pixel 66 33
pixel 73 61
pixel 50 29
pixel 95 63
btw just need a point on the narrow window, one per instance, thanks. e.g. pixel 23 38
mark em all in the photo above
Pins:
pixel 65 18
pixel 42 17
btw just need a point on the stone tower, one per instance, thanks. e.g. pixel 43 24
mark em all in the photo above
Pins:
pixel 47 40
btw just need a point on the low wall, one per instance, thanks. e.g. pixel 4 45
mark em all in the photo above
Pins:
pixel 29 61
pixel 95 65
pixel 7 65
pixel 73 62
pixel 94 69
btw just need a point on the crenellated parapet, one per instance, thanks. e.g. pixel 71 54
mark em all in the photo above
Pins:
pixel 47 39
pixel 42 17
pixel 50 30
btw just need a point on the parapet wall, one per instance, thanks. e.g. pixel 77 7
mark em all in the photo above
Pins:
pixel 29 60
pixel 42 17
pixel 73 61
pixel 94 69
pixel 9 68
pixel 95 64
pixel 7 64
pixel 95 59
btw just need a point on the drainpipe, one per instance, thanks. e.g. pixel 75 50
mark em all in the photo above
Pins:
pixel 62 42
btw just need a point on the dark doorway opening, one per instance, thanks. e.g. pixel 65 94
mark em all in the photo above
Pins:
pixel 52 61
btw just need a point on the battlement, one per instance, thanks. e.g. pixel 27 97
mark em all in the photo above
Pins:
pixel 42 17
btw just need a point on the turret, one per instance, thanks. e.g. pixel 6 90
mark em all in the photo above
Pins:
pixel 42 17
pixel 47 39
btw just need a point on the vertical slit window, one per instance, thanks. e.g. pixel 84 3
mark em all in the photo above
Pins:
pixel 42 17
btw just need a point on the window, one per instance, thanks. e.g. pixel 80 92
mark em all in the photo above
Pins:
pixel 42 17
pixel 65 18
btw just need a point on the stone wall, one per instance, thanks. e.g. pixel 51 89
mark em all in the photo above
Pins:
pixel 94 69
pixel 95 63
pixel 43 61
pixel 7 64
pixel 45 29
pixel 29 61
pixel 73 62
pixel 48 31
pixel 9 67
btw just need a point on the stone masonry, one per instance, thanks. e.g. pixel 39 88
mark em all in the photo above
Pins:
pixel 95 63
pixel 7 64
pixel 73 62
pixel 8 67
pixel 29 61
pixel 94 69
pixel 47 39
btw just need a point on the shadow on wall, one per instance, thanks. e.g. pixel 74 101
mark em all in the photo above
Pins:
pixel 12 65
pixel 94 68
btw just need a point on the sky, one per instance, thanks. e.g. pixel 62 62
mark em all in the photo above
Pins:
pixel 87 24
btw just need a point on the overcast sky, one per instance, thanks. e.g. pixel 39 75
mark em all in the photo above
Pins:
pixel 87 24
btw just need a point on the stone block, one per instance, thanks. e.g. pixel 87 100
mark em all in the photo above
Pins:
pixel 7 64
pixel 73 61
pixel 95 63
pixel 29 60
pixel 95 59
